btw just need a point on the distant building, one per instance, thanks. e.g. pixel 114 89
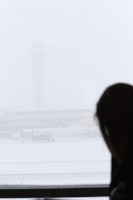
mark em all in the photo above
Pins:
pixel 48 125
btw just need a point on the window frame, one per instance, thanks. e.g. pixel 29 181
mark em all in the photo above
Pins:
pixel 54 192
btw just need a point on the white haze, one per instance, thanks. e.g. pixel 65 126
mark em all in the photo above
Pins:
pixel 59 55
pixel 80 47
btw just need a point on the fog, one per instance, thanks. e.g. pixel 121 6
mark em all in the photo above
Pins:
pixel 57 55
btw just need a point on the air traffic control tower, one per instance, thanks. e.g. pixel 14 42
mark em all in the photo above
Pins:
pixel 37 58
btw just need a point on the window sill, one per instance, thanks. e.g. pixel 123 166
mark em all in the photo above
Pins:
pixel 58 191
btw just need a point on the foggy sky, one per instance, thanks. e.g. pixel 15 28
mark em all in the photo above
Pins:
pixel 80 46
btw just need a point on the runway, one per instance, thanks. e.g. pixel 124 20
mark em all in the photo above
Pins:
pixel 61 162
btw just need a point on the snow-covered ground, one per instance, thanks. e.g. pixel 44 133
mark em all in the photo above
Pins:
pixel 63 162
pixel 44 149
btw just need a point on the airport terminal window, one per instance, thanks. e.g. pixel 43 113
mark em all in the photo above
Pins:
pixel 56 57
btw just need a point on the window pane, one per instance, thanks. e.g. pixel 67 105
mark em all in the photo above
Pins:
pixel 56 59
pixel 52 148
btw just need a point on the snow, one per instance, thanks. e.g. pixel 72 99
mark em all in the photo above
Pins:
pixel 67 162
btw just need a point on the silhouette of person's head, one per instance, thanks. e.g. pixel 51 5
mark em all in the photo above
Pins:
pixel 115 115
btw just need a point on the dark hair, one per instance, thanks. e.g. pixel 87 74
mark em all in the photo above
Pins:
pixel 115 115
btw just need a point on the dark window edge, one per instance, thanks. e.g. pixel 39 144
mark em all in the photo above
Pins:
pixel 50 192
